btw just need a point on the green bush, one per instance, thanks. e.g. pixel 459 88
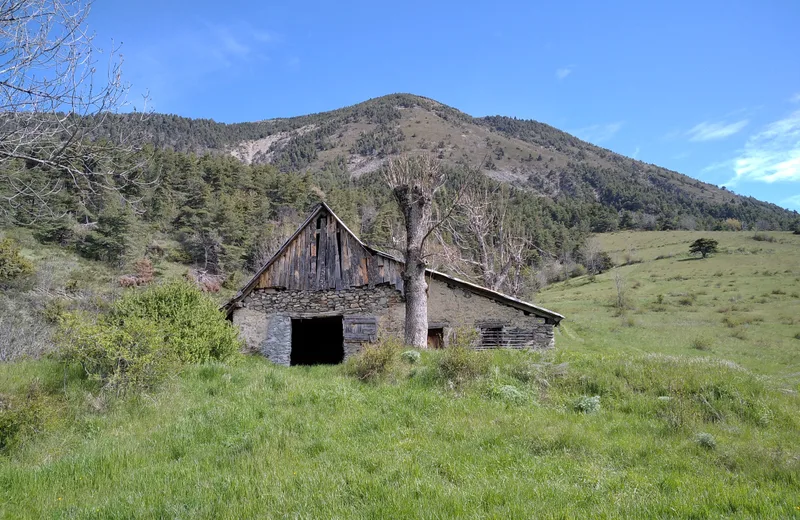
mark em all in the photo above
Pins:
pixel 145 335
pixel 587 404
pixel 702 343
pixel 120 356
pixel 706 440
pixel 459 363
pixel 20 419
pixel 411 356
pixel 190 322
pixel 375 361
pixel 509 393
pixel 12 264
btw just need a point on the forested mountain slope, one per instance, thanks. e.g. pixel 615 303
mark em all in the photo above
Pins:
pixel 222 197
pixel 527 154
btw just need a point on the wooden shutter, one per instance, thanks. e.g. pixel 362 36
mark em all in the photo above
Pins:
pixel 360 329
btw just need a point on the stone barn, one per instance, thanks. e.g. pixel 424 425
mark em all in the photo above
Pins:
pixel 325 293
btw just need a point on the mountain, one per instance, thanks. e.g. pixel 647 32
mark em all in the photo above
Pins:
pixel 526 154
pixel 221 198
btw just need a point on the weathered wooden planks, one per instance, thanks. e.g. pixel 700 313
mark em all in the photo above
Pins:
pixel 324 256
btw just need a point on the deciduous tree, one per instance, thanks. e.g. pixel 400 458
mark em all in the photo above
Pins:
pixel 53 100
pixel 414 181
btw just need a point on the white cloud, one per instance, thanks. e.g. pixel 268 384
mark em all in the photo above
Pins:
pixel 635 154
pixel 707 131
pixel 599 133
pixel 793 201
pixel 563 72
pixel 771 155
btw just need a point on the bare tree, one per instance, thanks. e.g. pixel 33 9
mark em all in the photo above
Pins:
pixel 591 255
pixel 621 302
pixel 482 239
pixel 53 101
pixel 415 180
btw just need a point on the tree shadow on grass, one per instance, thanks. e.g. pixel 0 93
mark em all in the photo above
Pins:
pixel 691 258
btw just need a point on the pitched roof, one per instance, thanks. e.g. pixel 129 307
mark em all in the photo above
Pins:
pixel 436 275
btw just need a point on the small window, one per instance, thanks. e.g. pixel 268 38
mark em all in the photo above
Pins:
pixel 498 336
pixel 491 337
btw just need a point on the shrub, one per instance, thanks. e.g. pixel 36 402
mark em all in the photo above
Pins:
pixel 763 237
pixel 53 310
pixel 144 270
pixel 604 262
pixel 145 274
pixel 375 361
pixel 459 364
pixel 701 343
pixel 739 333
pixel 586 404
pixel 191 325
pixel 144 335
pixel 20 419
pixel 706 440
pixel 508 393
pixel 411 357
pixel 120 355
pixel 12 263
pixel 577 270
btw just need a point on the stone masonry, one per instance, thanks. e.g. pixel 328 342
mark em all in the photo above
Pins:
pixel 264 317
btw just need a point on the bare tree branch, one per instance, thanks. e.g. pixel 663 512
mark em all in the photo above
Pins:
pixel 53 101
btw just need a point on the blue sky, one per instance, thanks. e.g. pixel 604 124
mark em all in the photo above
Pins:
pixel 710 89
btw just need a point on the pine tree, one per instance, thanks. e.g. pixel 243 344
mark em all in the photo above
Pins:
pixel 703 246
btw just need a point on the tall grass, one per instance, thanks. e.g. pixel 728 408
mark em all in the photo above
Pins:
pixel 256 440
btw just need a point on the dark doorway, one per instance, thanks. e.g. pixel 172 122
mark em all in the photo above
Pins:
pixel 436 337
pixel 317 341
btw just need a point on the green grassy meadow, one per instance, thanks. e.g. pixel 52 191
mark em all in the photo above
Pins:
pixel 742 304
pixel 697 378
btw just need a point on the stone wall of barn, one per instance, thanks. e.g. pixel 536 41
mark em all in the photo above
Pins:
pixel 264 317
pixel 459 308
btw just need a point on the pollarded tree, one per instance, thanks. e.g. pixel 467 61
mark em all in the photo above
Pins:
pixel 483 239
pixel 703 246
pixel 415 181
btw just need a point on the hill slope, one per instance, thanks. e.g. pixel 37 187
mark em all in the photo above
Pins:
pixel 527 154
pixel 697 415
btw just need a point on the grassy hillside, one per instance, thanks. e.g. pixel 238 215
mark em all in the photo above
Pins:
pixel 742 304
pixel 698 393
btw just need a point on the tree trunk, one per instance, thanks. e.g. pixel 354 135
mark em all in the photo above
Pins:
pixel 416 206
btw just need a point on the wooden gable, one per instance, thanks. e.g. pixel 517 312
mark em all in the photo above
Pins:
pixel 325 255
